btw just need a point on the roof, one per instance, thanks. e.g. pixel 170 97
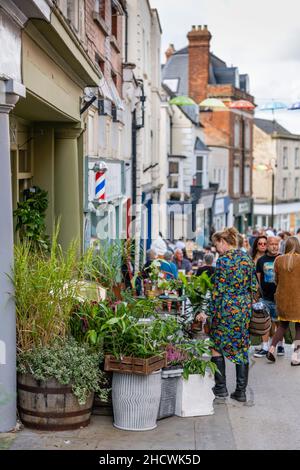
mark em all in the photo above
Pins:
pixel 200 145
pixel 177 68
pixel 269 127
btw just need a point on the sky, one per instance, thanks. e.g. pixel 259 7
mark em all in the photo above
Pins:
pixel 260 37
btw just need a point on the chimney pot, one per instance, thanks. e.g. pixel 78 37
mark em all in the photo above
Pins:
pixel 205 26
pixel 194 27
pixel 199 27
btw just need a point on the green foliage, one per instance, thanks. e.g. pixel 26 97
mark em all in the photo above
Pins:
pixel 125 329
pixel 45 292
pixel 195 361
pixel 68 363
pixel 30 215
pixel 197 289
pixel 105 265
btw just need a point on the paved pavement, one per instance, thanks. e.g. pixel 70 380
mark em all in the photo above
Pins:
pixel 269 420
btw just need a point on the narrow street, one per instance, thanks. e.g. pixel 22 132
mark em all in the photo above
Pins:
pixel 269 420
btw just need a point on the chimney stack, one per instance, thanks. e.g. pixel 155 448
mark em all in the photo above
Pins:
pixel 170 51
pixel 199 58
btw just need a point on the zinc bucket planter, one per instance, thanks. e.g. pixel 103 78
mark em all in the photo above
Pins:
pixel 169 383
pixel 50 406
pixel 136 400
pixel 195 396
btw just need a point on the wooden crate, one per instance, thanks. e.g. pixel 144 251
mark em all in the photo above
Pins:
pixel 135 365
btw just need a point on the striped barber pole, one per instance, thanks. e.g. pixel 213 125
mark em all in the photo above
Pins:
pixel 100 185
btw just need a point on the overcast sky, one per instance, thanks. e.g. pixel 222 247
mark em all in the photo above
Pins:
pixel 260 37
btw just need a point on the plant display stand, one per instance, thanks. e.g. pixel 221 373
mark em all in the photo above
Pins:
pixel 135 365
pixel 169 383
pixel 195 396
pixel 136 400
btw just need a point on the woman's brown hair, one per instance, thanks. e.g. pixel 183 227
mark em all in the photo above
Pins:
pixel 230 235
pixel 292 246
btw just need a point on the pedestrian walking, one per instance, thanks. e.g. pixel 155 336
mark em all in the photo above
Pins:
pixel 230 308
pixel 287 278
pixel 266 278
pixel 259 248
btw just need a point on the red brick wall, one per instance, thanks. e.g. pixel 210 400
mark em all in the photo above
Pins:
pixel 98 42
pixel 199 41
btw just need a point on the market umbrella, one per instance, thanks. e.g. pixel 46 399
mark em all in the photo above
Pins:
pixel 182 101
pixel 272 106
pixel 294 106
pixel 241 104
pixel 212 103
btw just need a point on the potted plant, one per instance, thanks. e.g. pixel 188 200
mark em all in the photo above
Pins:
pixel 51 394
pixel 194 391
pixel 133 338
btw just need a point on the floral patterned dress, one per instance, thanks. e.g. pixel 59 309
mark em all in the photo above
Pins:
pixel 230 306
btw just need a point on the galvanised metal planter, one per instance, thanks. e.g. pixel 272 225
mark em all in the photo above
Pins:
pixel 169 382
pixel 136 400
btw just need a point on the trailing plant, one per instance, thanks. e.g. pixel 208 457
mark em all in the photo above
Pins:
pixel 30 215
pixel 106 263
pixel 69 363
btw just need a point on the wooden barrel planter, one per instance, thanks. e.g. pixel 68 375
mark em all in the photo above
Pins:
pixel 50 406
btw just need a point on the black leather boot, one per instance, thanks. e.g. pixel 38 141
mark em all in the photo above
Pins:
pixel 220 389
pixel 242 371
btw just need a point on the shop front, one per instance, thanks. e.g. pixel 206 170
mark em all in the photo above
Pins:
pixel 106 206
pixel 242 213
pixel 221 211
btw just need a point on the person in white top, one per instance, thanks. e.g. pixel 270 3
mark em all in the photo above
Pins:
pixel 159 245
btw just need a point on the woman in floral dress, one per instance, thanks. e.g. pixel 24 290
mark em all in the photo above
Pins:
pixel 234 284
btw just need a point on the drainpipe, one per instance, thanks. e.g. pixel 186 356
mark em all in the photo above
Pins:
pixel 126 34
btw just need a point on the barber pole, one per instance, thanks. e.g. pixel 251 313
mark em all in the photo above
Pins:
pixel 100 185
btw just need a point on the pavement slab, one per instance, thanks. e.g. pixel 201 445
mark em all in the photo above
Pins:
pixel 269 420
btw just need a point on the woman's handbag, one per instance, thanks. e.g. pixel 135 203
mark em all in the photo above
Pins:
pixel 260 322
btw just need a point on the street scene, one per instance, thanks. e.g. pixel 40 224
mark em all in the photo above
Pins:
pixel 149 226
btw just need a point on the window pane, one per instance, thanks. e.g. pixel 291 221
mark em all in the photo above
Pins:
pixel 173 168
pixel 199 179
pixel 199 163
pixel 173 181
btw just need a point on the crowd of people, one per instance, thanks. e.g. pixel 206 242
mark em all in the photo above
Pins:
pixel 260 266
pixel 264 266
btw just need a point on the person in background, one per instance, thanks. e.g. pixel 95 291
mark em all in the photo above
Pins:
pixel 259 248
pixel 298 234
pixel 243 244
pixel 168 267
pixel 283 237
pixel 230 309
pixel 287 278
pixel 266 278
pixel 207 267
pixel 181 262
pixel 159 246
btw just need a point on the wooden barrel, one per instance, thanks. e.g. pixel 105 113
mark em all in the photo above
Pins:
pixel 50 406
